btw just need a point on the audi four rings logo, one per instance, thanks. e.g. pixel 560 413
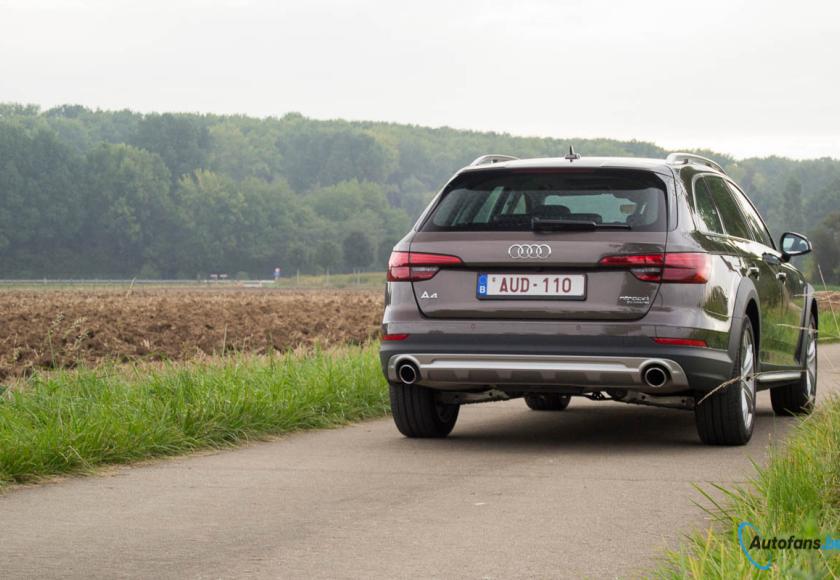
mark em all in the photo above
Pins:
pixel 529 251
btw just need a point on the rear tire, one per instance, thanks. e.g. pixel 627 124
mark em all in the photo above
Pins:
pixel 727 417
pixel 417 413
pixel 547 402
pixel 799 397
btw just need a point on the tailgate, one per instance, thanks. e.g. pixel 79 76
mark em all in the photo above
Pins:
pixel 608 294
pixel 524 235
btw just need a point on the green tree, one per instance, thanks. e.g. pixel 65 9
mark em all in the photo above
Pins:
pixel 182 141
pixel 130 212
pixel 328 255
pixel 84 192
pixel 823 202
pixel 358 250
pixel 792 204
pixel 9 110
pixel 41 210
pixel 241 150
pixel 214 212
pixel 325 153
pixel 383 251
pixel 826 242
pixel 299 257
pixel 249 226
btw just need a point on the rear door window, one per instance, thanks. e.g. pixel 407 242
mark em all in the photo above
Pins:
pixel 705 209
pixel 510 200
pixel 728 208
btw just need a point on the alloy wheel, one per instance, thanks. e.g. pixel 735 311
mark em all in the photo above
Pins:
pixel 747 381
pixel 811 362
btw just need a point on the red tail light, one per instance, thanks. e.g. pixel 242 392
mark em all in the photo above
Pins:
pixel 676 268
pixel 687 268
pixel 415 266
pixel 646 267
pixel 394 336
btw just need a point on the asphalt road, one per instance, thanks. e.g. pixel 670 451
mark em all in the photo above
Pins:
pixel 597 490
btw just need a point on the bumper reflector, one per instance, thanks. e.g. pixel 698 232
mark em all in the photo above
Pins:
pixel 681 342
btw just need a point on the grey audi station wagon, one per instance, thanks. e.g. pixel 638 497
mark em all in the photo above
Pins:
pixel 647 281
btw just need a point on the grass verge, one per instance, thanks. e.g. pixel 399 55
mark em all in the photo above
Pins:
pixel 74 421
pixel 829 327
pixel 797 494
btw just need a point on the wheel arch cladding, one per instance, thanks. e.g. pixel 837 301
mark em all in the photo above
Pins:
pixel 813 307
pixel 752 313
pixel 811 310
pixel 746 304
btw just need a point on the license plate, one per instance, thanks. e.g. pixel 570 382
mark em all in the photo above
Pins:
pixel 565 286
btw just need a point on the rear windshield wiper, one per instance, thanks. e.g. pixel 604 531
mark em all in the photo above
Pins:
pixel 547 225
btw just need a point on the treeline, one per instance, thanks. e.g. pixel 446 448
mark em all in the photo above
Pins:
pixel 116 193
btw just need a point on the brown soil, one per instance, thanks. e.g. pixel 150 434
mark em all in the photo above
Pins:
pixel 829 300
pixel 65 328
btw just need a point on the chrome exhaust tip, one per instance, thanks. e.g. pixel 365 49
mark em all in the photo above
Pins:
pixel 655 376
pixel 407 373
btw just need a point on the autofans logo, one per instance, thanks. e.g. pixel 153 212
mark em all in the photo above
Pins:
pixel 541 251
pixel 750 539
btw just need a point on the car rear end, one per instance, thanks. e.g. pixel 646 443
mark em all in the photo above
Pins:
pixel 574 278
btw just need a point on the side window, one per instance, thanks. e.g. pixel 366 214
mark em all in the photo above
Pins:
pixel 730 213
pixel 757 227
pixel 705 209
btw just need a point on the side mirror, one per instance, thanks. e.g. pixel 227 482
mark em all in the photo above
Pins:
pixel 794 244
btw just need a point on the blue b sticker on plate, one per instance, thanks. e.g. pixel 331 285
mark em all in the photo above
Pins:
pixel 482 285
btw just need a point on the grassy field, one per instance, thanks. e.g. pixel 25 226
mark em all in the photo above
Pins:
pixel 797 494
pixel 829 305
pixel 364 280
pixel 829 328
pixel 360 280
pixel 74 421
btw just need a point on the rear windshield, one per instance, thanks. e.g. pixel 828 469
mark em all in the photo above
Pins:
pixel 510 200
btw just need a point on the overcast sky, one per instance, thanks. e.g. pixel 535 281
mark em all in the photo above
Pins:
pixel 746 78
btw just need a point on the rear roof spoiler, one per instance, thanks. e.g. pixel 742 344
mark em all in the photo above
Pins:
pixel 491 159
pixel 692 158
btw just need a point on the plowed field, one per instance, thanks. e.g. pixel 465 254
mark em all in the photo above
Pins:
pixel 65 328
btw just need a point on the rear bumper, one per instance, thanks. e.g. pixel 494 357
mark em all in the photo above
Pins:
pixel 593 363
pixel 455 370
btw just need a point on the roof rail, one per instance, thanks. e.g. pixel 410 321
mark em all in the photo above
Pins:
pixel 490 159
pixel 692 158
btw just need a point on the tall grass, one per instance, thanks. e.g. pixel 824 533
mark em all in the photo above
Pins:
pixel 798 493
pixel 73 421
pixel 829 328
pixel 829 320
